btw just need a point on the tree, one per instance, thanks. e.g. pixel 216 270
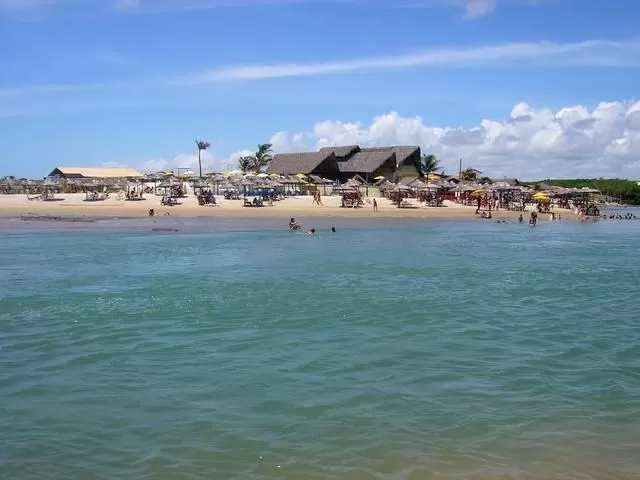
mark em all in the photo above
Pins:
pixel 246 163
pixel 201 146
pixel 428 164
pixel 469 175
pixel 258 162
pixel 262 158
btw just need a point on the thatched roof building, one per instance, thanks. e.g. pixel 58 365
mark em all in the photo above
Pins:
pixel 320 163
pixel 93 172
pixel 346 161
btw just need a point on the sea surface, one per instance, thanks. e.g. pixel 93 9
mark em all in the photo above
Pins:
pixel 387 350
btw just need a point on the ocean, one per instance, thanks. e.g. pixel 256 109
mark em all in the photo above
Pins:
pixel 386 350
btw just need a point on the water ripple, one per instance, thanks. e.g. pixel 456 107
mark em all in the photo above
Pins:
pixel 440 351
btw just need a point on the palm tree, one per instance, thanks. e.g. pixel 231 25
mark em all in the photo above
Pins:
pixel 258 162
pixel 246 163
pixel 201 146
pixel 470 174
pixel 262 157
pixel 428 164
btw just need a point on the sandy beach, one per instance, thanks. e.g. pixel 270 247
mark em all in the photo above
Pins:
pixel 74 205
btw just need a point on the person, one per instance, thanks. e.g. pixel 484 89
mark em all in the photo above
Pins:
pixel 152 212
pixel 312 231
pixel 333 229
pixel 375 205
pixel 293 225
pixel 520 219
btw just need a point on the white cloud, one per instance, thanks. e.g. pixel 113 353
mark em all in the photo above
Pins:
pixel 183 160
pixel 530 143
pixel 477 8
pixel 586 53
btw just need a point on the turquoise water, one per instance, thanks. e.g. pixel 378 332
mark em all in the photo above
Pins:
pixel 399 350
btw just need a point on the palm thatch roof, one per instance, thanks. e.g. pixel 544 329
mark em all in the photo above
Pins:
pixel 366 161
pixel 303 162
pixel 345 159
pixel 94 172
pixel 343 151
pixel 403 154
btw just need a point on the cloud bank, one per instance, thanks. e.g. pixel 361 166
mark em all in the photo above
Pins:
pixel 530 143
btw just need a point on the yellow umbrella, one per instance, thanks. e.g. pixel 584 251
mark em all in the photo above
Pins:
pixel 478 193
pixel 541 196
pixel 301 176
pixel 380 177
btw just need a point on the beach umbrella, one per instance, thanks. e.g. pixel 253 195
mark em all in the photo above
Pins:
pixel 541 196
pixel 379 177
pixel 479 192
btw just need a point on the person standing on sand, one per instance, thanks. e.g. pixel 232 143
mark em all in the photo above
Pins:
pixel 375 205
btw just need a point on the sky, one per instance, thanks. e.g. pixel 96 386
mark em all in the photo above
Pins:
pixel 518 88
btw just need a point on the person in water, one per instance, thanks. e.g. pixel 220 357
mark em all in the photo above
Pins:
pixel 293 225
pixel 520 219
pixel 312 231
pixel 333 229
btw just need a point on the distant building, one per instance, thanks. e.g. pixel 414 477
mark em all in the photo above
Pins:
pixel 93 172
pixel 341 163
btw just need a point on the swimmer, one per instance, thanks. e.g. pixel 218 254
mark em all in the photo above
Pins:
pixel 293 225
pixel 333 229
pixel 312 231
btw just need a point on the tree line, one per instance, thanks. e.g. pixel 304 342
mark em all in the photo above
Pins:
pixel 627 191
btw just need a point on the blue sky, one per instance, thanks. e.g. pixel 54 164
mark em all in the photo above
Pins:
pixel 92 82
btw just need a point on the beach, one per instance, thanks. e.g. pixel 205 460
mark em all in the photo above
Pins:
pixel 301 206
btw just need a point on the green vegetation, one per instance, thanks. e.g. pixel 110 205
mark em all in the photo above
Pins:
pixel 428 164
pixel 470 175
pixel 258 162
pixel 628 191
pixel 201 146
